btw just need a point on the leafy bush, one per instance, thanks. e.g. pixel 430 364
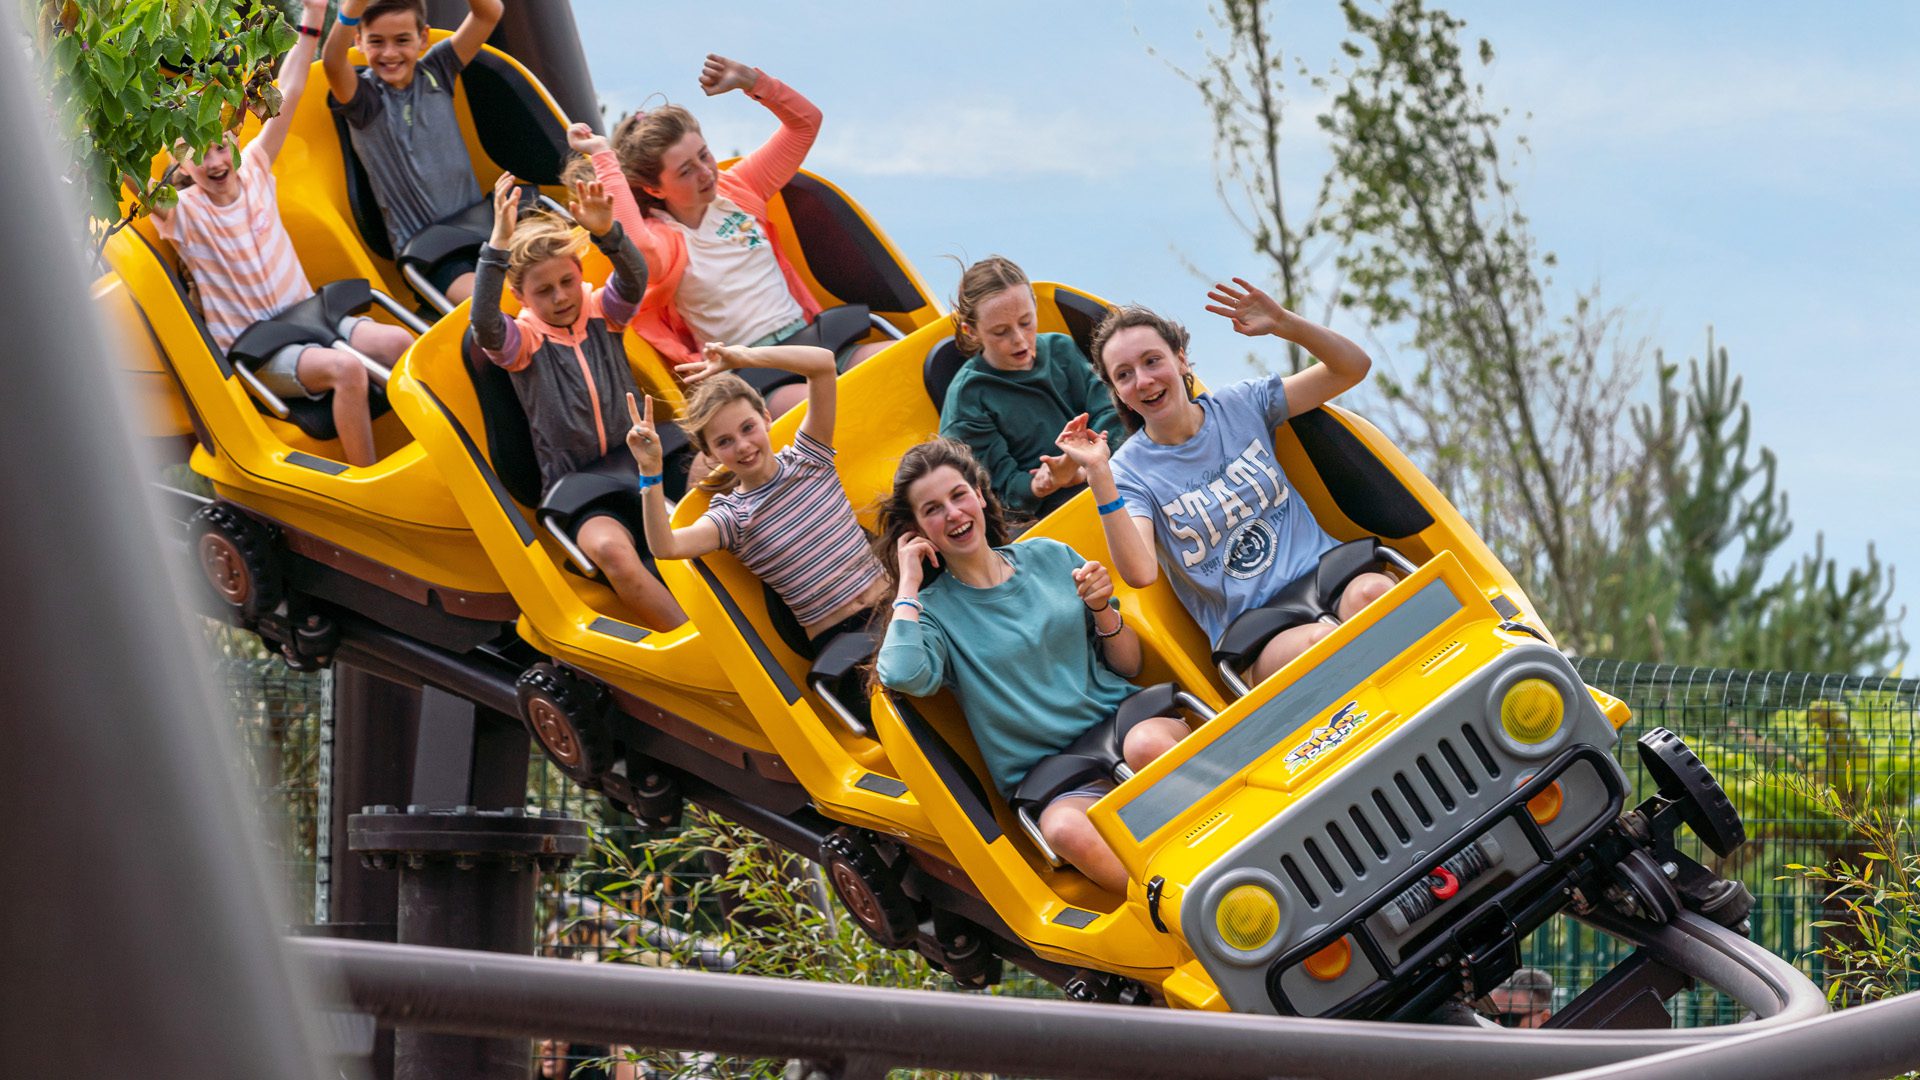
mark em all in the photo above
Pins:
pixel 130 78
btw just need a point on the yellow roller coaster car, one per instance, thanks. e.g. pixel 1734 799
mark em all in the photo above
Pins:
pixel 466 416
pixel 291 520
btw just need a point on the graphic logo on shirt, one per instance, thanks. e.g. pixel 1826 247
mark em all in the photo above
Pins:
pixel 1247 490
pixel 740 228
pixel 1251 548
pixel 1324 738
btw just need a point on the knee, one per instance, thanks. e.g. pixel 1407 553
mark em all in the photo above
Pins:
pixel 331 369
pixel 1069 833
pixel 1287 644
pixel 388 343
pixel 608 545
pixel 1150 739
pixel 1364 590
pixel 784 398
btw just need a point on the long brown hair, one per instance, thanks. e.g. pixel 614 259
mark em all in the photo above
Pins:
pixel 896 510
pixel 897 520
pixel 1125 317
pixel 641 140
pixel 709 396
pixel 989 277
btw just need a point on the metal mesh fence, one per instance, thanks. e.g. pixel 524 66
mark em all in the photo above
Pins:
pixel 1752 728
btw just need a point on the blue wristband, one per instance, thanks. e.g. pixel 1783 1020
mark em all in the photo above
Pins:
pixel 344 20
pixel 649 481
pixel 909 601
pixel 1119 503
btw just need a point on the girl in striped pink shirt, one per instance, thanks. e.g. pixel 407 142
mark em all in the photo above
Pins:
pixel 785 515
pixel 227 230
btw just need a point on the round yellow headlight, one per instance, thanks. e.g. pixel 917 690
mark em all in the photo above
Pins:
pixel 1248 917
pixel 1532 710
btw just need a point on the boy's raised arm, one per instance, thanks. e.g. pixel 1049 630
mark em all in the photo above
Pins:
pixel 482 17
pixel 333 59
pixel 292 81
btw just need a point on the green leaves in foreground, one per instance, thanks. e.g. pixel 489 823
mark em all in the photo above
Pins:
pixel 126 79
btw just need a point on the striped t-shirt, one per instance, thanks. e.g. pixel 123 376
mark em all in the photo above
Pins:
pixel 797 532
pixel 240 253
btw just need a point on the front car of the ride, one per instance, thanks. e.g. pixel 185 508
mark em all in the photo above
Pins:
pixel 1377 819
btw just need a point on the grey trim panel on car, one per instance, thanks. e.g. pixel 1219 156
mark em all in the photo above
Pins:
pixel 1314 693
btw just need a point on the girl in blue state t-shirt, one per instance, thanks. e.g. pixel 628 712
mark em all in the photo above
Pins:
pixel 1203 489
pixel 1026 635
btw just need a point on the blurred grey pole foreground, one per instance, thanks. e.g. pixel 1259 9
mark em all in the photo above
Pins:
pixel 139 937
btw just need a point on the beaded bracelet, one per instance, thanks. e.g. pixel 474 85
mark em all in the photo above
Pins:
pixel 649 481
pixel 1117 627
pixel 1118 503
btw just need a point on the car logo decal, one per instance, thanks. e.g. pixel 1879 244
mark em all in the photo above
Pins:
pixel 1344 722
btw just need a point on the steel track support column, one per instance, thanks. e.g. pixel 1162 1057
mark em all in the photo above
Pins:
pixel 467 881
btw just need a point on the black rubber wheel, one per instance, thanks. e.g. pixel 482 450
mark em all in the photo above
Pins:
pixel 237 561
pixel 1681 776
pixel 869 888
pixel 567 716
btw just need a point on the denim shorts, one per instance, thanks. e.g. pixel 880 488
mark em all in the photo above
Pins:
pixel 281 372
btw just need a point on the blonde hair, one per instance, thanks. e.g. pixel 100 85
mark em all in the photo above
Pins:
pixel 705 402
pixel 987 278
pixel 538 237
pixel 641 141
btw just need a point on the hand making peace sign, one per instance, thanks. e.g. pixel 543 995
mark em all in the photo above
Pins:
pixel 642 439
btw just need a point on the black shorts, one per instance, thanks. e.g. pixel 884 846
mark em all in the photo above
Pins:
pixel 445 274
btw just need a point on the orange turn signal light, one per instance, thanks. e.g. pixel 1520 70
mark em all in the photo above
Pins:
pixel 1331 962
pixel 1546 806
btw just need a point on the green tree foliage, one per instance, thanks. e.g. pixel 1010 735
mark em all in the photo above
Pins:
pixel 1244 87
pixel 765 910
pixel 1722 518
pixel 1638 532
pixel 130 78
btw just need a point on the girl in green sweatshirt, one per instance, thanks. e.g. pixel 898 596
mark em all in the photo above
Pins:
pixel 1018 391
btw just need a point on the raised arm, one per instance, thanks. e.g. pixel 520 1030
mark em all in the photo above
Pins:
pixel 333 59
pixel 493 332
pixel 913 658
pixel 663 540
pixel 1129 529
pixel 1342 363
pixel 292 81
pixel 482 17
pixel 592 209
pixel 767 169
pixel 626 209
pixel 815 363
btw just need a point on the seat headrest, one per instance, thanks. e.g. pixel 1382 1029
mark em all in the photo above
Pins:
pixel 943 363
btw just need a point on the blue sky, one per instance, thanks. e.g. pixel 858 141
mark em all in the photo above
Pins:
pixel 1755 167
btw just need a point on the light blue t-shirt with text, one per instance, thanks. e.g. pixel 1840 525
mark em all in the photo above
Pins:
pixel 1229 530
